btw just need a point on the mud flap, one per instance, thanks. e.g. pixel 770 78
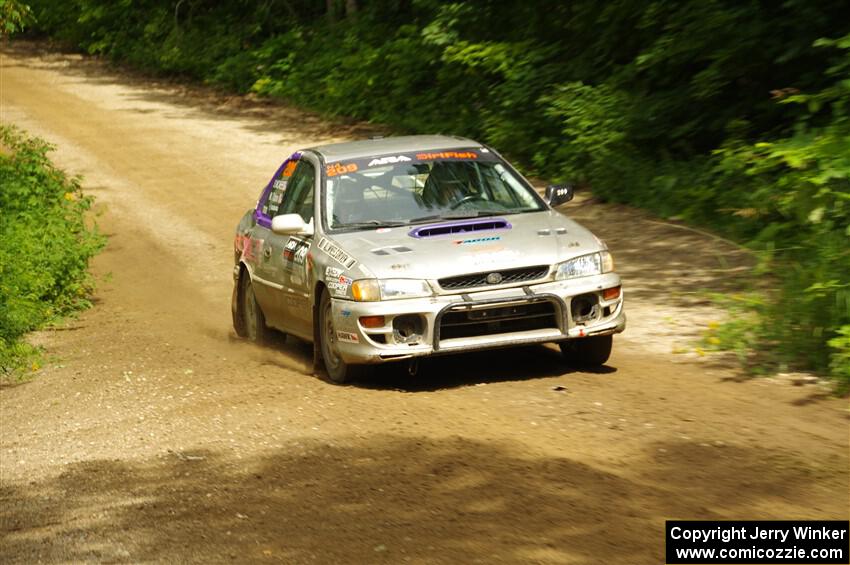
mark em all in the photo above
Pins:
pixel 238 326
pixel 318 366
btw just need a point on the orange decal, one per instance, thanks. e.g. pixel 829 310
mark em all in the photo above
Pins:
pixel 287 171
pixel 335 169
pixel 447 155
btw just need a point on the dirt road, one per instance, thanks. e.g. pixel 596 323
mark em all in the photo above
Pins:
pixel 154 435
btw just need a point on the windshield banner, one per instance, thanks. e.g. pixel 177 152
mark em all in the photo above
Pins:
pixel 353 165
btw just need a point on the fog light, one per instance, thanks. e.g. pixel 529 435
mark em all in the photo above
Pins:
pixel 585 308
pixel 611 293
pixel 408 328
pixel 372 321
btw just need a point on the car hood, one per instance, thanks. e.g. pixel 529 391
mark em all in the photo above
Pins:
pixel 454 247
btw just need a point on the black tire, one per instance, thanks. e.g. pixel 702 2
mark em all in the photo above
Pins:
pixel 338 371
pixel 250 315
pixel 588 351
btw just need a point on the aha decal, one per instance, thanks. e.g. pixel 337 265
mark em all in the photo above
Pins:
pixel 389 160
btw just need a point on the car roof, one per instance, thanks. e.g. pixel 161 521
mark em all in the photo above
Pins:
pixel 384 145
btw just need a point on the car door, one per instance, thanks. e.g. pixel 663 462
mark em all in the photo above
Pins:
pixel 299 199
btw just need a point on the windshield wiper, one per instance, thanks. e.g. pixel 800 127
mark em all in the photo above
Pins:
pixel 372 224
pixel 457 216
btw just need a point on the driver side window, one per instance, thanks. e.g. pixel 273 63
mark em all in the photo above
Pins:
pixel 298 198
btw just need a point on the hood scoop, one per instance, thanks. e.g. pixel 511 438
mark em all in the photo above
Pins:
pixel 460 227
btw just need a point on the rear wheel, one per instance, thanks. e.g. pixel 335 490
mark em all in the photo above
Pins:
pixel 588 351
pixel 338 370
pixel 253 321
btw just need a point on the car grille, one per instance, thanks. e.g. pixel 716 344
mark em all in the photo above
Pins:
pixel 508 276
pixel 497 319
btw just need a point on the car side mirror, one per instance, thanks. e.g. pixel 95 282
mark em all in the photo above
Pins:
pixel 557 194
pixel 291 224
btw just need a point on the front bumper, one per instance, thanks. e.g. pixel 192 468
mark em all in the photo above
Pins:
pixel 540 313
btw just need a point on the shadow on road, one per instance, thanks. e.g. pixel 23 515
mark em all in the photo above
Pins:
pixel 382 499
pixel 480 367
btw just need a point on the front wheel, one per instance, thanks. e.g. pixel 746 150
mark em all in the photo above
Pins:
pixel 338 370
pixel 591 351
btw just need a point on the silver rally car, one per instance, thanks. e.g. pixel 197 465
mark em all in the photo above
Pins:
pixel 397 248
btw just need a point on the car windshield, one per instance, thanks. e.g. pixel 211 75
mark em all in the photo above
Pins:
pixel 416 190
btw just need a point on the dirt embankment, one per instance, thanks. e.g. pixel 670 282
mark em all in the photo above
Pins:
pixel 155 435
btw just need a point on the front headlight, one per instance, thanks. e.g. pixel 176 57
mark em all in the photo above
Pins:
pixel 585 266
pixel 371 290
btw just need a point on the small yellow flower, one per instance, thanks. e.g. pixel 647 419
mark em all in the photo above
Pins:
pixel 700 351
pixel 35 366
pixel 70 197
pixel 714 340
pixel 713 325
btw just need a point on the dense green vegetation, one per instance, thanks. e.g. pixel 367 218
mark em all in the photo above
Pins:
pixel 45 244
pixel 725 113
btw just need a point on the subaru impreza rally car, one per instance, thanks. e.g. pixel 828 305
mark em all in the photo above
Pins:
pixel 397 248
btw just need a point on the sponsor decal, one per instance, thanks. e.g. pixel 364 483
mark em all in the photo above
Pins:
pixel 346 313
pixel 389 160
pixel 340 286
pixel 447 155
pixel 335 169
pixel 400 266
pixel 279 184
pixel 249 247
pixel 476 240
pixel 290 168
pixel 337 254
pixel 337 288
pixel 295 251
pixel 348 337
pixel 332 272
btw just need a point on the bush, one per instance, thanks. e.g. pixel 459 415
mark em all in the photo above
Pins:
pixel 45 243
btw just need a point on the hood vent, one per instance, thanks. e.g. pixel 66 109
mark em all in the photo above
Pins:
pixel 461 227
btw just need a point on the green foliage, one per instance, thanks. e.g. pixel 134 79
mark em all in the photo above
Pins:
pixel 14 17
pixel 45 243
pixel 725 113
pixel 841 357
